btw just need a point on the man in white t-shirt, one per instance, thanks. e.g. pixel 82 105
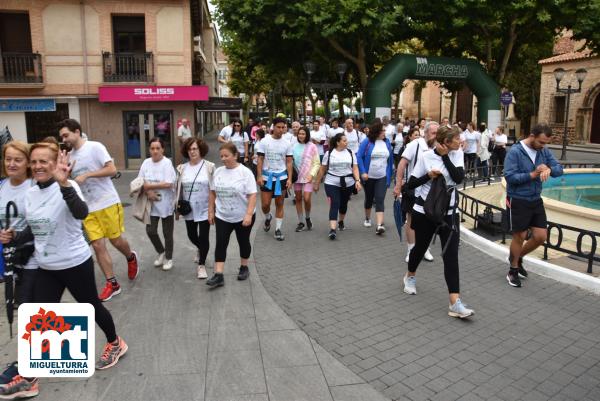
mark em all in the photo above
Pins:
pixel 184 131
pixel 353 137
pixel 317 137
pixel 335 129
pixel 274 174
pixel 92 170
pixel 410 156
pixel 226 132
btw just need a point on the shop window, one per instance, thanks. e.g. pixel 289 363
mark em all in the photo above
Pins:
pixel 41 124
pixel 559 109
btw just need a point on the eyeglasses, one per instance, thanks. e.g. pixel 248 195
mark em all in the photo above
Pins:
pixel 237 125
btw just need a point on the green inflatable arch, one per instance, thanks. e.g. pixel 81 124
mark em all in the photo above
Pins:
pixel 408 66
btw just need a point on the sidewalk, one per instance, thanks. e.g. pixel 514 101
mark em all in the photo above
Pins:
pixel 187 342
pixel 539 342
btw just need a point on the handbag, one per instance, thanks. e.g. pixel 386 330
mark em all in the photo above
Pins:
pixel 184 207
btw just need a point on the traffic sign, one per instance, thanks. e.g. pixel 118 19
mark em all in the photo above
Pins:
pixel 506 98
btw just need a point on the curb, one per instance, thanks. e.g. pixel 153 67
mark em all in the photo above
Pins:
pixel 534 265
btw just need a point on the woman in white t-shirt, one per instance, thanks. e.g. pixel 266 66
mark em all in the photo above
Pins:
pixel 472 145
pixel 240 139
pixel 483 155
pixel 306 164
pixel 193 186
pixel 446 160
pixel 231 207
pixel 54 210
pixel 159 183
pixel 499 153
pixel 340 169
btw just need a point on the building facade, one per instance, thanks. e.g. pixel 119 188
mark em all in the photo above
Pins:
pixel 128 71
pixel 583 121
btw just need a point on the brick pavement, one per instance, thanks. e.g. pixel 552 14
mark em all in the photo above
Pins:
pixel 539 342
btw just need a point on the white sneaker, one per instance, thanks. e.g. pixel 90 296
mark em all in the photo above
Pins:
pixel 367 223
pixel 459 310
pixel 428 256
pixel 160 260
pixel 201 272
pixel 168 264
pixel 410 284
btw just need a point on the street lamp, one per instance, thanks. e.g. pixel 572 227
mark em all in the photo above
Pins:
pixel 559 74
pixel 310 68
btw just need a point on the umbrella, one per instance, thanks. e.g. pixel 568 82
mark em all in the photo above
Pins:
pixel 8 252
pixel 398 215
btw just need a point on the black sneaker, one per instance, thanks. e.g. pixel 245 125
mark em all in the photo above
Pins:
pixel 513 278
pixel 278 235
pixel 341 225
pixel 332 234
pixel 217 280
pixel 300 227
pixel 244 273
pixel 522 272
pixel 267 225
pixel 308 224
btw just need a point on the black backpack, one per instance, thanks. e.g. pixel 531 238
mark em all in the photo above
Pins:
pixel 437 204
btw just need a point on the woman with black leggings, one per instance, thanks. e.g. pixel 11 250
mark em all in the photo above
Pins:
pixel 376 166
pixel 341 174
pixel 445 160
pixel 193 187
pixel 54 211
pixel 231 207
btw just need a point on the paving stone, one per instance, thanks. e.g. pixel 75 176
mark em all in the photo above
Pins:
pixel 298 383
pixel 356 392
pixel 286 348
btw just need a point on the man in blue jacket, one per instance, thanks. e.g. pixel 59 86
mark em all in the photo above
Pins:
pixel 528 164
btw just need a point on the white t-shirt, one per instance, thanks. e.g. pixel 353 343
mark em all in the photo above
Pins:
pixel 379 160
pixel 17 194
pixel 239 140
pixel 99 192
pixel 354 139
pixel 58 236
pixel 154 173
pixel 428 161
pixel 340 165
pixel 232 187
pixel 471 139
pixel 410 152
pixel 199 191
pixel 289 136
pixel 531 152
pixel 399 143
pixel 390 130
pixel 184 132
pixel 331 132
pixel 226 132
pixel 275 152
pixel 318 136
pixel 501 139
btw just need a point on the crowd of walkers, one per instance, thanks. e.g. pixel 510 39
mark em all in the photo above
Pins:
pixel 67 201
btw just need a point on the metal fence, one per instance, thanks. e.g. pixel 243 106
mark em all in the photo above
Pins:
pixel 128 67
pixel 20 68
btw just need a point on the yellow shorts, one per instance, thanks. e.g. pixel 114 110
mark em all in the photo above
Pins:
pixel 105 223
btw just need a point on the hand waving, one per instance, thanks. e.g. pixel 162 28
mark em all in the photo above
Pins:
pixel 63 169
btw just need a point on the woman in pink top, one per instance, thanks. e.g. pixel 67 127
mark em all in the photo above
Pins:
pixel 306 164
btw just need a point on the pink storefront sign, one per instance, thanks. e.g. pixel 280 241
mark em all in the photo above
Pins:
pixel 152 93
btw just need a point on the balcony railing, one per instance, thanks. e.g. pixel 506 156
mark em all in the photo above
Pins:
pixel 19 68
pixel 128 67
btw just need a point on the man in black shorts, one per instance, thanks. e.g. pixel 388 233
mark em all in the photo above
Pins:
pixel 274 174
pixel 528 164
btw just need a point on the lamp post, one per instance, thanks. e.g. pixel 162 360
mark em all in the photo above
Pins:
pixel 559 74
pixel 340 68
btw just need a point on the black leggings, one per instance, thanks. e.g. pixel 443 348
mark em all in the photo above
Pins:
pixel 424 230
pixel 338 200
pixel 470 160
pixel 242 234
pixel 24 286
pixel 167 227
pixel 375 190
pixel 80 281
pixel 199 238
